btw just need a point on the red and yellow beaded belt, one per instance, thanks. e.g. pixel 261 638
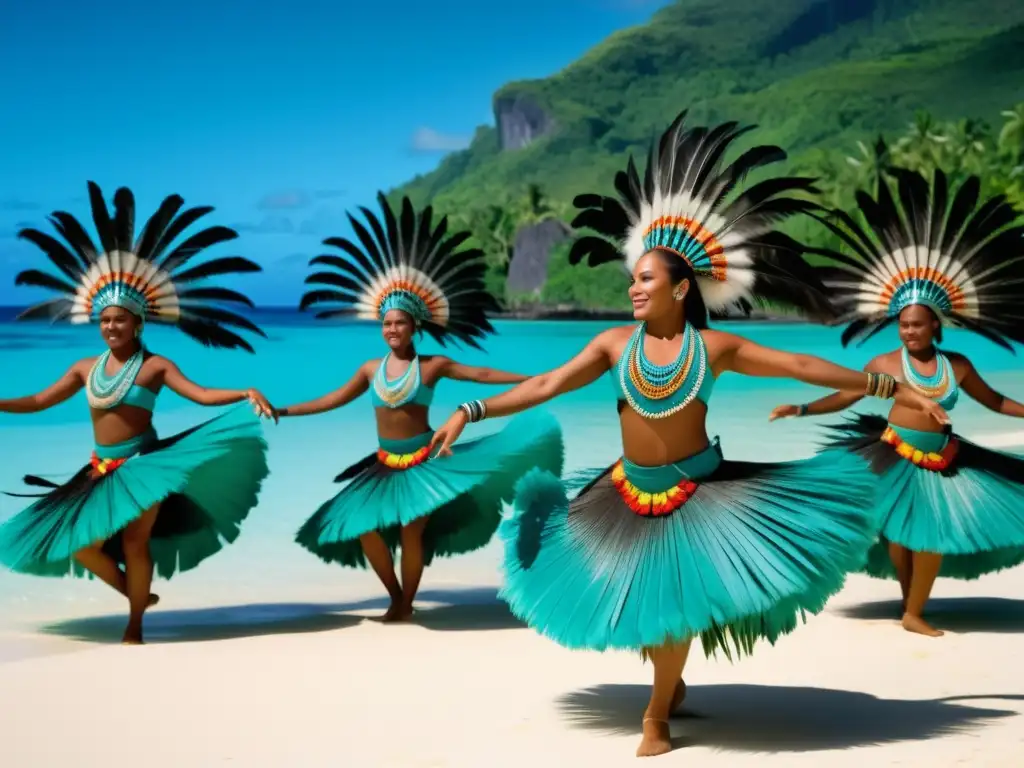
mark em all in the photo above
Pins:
pixel 651 504
pixel 936 462
pixel 104 466
pixel 403 460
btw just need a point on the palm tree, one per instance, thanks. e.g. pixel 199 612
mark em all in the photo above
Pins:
pixel 534 207
pixel 496 224
pixel 1011 137
pixel 872 163
pixel 494 228
pixel 968 146
pixel 835 179
pixel 920 148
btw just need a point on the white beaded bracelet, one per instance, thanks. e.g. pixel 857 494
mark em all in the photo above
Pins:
pixel 475 410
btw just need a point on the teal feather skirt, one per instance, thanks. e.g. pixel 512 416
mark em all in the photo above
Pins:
pixel 731 552
pixel 462 494
pixel 970 511
pixel 206 480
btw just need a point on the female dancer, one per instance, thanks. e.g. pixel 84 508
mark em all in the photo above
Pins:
pixel 673 541
pixel 951 508
pixel 411 276
pixel 141 501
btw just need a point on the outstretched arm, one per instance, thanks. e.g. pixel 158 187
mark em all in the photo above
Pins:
pixel 585 368
pixel 66 386
pixel 833 403
pixel 180 384
pixel 352 389
pixel 978 389
pixel 452 370
pixel 746 357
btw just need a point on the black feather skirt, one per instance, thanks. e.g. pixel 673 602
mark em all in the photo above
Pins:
pixel 940 493
pixel 462 495
pixel 729 551
pixel 206 480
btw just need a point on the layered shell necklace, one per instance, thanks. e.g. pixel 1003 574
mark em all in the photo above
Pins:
pixel 395 394
pixel 940 386
pixel 658 391
pixel 105 391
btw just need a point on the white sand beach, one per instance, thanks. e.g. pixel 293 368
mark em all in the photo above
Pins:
pixel 267 657
pixel 319 684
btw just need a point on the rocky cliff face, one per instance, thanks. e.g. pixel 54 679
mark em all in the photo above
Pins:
pixel 520 120
pixel 528 270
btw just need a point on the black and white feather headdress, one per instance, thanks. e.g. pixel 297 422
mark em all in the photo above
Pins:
pixel 407 262
pixel 147 276
pixel 933 246
pixel 689 203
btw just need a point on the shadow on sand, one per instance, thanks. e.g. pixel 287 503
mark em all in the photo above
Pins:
pixel 957 614
pixel 767 718
pixel 461 609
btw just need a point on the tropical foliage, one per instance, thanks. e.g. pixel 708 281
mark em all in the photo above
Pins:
pixel 837 83
pixel 962 148
pixel 958 148
pixel 495 223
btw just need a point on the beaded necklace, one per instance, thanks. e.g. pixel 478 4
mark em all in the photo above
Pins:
pixel 105 391
pixel 940 386
pixel 395 394
pixel 658 391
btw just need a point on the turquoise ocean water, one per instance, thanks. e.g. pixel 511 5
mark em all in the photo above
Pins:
pixel 301 360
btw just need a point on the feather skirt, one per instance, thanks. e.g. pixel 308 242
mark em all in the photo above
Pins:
pixel 462 494
pixel 971 512
pixel 206 480
pixel 751 550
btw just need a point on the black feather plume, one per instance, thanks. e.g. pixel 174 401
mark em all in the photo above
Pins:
pixel 928 244
pixel 176 295
pixel 412 249
pixel 686 178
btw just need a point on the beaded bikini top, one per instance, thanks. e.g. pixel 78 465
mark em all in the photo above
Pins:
pixel 940 386
pixel 407 389
pixel 105 392
pixel 658 391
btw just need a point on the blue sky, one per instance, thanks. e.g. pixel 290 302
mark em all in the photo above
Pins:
pixel 281 115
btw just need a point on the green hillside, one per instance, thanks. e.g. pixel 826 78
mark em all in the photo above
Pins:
pixel 818 76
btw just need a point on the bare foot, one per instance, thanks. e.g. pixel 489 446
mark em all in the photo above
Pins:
pixel 920 626
pixel 133 634
pixel 656 740
pixel 678 697
pixel 393 610
pixel 398 612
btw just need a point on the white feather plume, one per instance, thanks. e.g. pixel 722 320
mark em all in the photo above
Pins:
pixel 717 294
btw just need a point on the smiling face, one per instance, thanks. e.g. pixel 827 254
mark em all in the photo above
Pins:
pixel 918 328
pixel 651 288
pixel 397 329
pixel 117 326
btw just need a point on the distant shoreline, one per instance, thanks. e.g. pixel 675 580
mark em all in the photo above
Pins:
pixel 9 313
pixel 571 313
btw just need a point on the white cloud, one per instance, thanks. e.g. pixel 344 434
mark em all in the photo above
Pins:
pixel 428 140
pixel 289 199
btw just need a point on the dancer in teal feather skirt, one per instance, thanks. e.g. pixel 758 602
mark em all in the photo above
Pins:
pixel 411 275
pixel 674 541
pixel 948 507
pixel 142 502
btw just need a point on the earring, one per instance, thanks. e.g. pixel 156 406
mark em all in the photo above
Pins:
pixel 677 296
